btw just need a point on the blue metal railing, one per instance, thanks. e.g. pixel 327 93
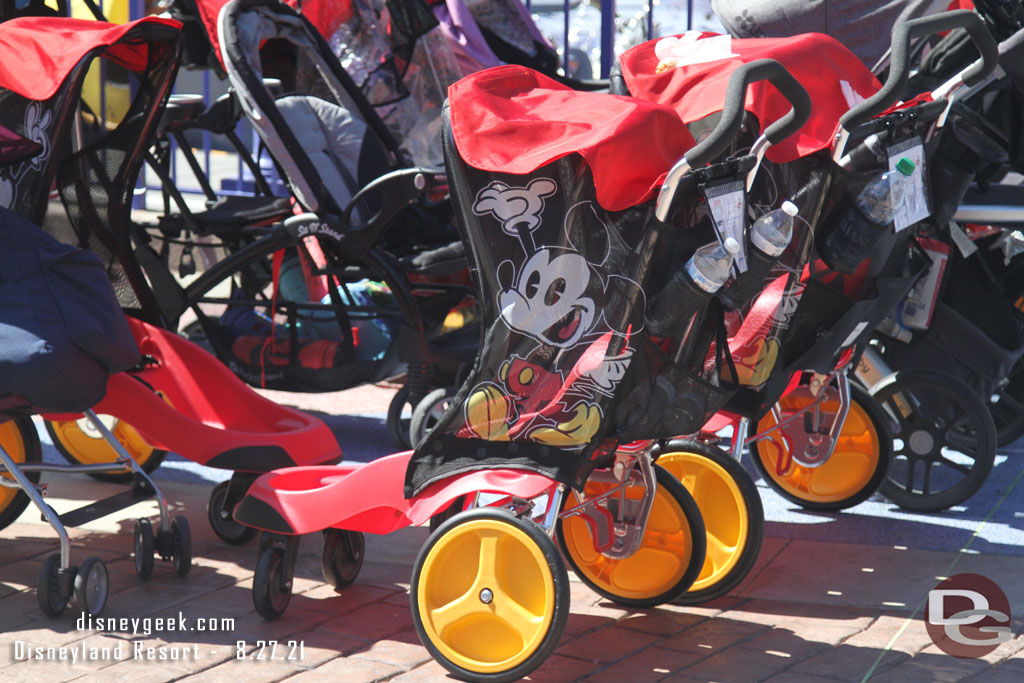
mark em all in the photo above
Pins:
pixel 607 34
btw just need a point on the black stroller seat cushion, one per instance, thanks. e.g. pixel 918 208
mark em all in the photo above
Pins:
pixel 62 331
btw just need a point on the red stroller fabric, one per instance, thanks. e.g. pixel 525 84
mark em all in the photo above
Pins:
pixel 511 119
pixel 57 45
pixel 15 148
pixel 818 61
pixel 325 15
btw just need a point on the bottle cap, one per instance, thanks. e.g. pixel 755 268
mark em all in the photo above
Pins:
pixel 731 245
pixel 905 166
pixel 790 208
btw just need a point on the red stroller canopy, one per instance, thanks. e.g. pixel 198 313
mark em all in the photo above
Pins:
pixel 511 119
pixel 39 52
pixel 325 15
pixel 819 62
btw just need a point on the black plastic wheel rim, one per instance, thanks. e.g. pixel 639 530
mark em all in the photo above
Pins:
pixel 221 521
pixel 932 469
pixel 278 593
pixel 97 587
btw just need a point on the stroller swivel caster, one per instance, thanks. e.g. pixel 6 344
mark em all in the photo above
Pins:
pixel 670 555
pixel 428 413
pixel 175 545
pixel 731 508
pixel 221 521
pixel 856 467
pixel 342 557
pixel 275 570
pixel 489 595
pixel 934 465
pixel 85 587
pixel 145 548
pixel 81 444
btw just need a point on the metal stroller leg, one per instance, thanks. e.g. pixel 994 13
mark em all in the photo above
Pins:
pixel 35 495
pixel 165 525
pixel 739 439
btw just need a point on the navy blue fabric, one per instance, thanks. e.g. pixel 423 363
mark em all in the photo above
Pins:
pixel 62 331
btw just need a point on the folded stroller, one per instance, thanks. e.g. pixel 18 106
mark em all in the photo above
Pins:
pixel 568 390
pixel 178 397
pixel 62 332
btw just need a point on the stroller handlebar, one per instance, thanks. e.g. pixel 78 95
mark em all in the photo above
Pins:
pixel 899 68
pixel 732 118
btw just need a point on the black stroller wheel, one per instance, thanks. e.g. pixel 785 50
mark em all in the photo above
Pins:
pixel 397 422
pixel 342 557
pixel 48 588
pixel 1007 407
pixel 181 545
pixel 145 547
pixel 221 521
pixel 271 589
pixel 92 586
pixel 428 413
pixel 21 442
pixel 931 472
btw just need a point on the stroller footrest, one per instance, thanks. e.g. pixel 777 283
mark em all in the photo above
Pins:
pixel 106 506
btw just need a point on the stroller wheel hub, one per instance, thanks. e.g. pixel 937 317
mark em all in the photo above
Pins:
pixel 921 442
pixel 486 596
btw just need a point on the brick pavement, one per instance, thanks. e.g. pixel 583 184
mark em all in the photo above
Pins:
pixel 810 611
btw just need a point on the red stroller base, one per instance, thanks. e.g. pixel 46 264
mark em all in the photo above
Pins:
pixel 184 400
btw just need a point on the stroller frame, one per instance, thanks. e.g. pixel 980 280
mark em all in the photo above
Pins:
pixel 510 491
pixel 803 444
pixel 57 583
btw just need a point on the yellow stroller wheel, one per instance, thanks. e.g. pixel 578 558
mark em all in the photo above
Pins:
pixel 732 512
pixel 18 437
pixel 490 595
pixel 856 468
pixel 670 555
pixel 81 444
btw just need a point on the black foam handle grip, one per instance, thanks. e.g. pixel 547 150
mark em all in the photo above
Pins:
pixel 899 62
pixel 732 113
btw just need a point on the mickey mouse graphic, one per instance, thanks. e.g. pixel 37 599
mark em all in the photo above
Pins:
pixel 558 298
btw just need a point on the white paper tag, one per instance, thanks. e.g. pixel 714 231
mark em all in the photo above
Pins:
pixel 961 240
pixel 915 201
pixel 728 203
pixel 856 333
pixel 691 49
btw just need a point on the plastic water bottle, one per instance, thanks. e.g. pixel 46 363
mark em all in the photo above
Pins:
pixel 882 197
pixel 710 265
pixel 769 236
pixel 688 291
pixel 862 224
